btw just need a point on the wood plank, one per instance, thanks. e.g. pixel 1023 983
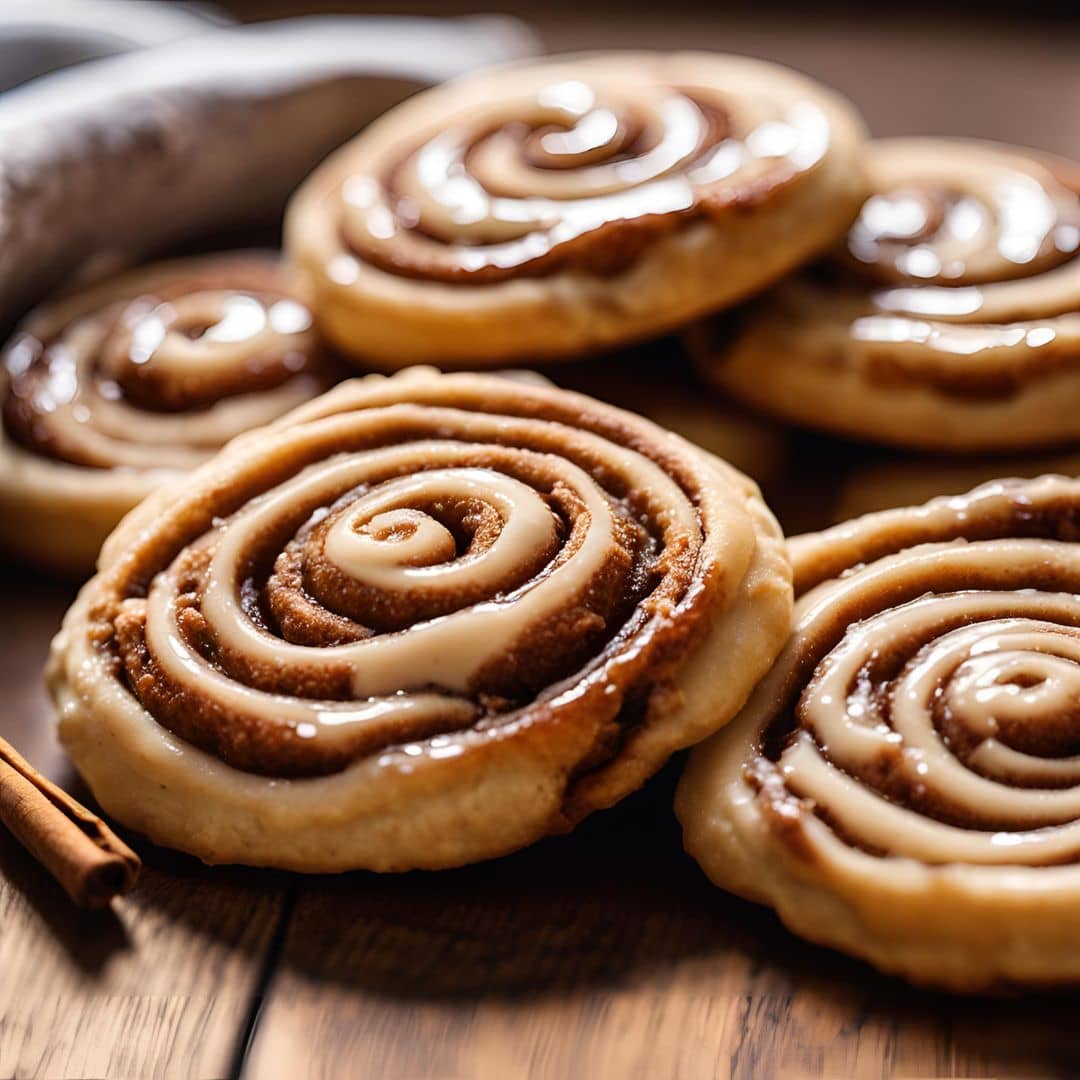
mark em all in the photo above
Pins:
pixel 160 986
pixel 607 954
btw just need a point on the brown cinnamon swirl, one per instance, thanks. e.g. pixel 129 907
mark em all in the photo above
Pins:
pixel 546 209
pixel 421 621
pixel 951 321
pixel 113 390
pixel 904 785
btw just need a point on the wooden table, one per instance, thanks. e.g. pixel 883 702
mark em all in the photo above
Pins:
pixel 604 954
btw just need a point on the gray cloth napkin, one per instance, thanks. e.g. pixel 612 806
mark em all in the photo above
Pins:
pixel 118 158
pixel 39 36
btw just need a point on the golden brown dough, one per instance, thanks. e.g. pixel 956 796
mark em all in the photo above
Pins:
pixel 904 785
pixel 951 322
pixel 113 390
pixel 423 620
pixel 542 210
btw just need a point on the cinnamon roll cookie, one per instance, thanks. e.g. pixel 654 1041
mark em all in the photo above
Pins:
pixel 904 785
pixel 422 621
pixel 951 321
pixel 113 390
pixel 548 209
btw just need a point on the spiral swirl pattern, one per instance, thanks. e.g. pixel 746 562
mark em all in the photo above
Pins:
pixel 980 253
pixel 950 320
pixel 159 368
pixel 570 171
pixel 583 167
pixel 438 575
pixel 919 738
pixel 113 390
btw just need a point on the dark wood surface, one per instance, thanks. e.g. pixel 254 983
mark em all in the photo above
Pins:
pixel 603 954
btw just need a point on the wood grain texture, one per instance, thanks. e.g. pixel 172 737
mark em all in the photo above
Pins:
pixel 607 954
pixel 162 984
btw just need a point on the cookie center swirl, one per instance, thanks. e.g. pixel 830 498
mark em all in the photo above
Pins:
pixel 933 706
pixel 446 653
pixel 196 348
pixel 385 545
pixel 163 367
pixel 1001 698
pixel 963 271
pixel 412 571
pixel 972 741
pixel 1025 699
pixel 571 173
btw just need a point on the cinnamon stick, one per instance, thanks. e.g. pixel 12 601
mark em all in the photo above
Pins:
pixel 84 855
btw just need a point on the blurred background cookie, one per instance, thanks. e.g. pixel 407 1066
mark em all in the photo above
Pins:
pixel 951 320
pixel 112 391
pixel 552 209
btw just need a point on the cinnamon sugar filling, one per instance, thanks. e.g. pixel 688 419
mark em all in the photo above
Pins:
pixel 930 704
pixel 428 567
pixel 162 367
pixel 529 187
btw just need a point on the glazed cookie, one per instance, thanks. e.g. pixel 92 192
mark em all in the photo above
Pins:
pixel 549 209
pixel 116 389
pixel 904 785
pixel 422 621
pixel 952 320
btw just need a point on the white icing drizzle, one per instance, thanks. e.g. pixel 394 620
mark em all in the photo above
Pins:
pixel 386 536
pixel 513 178
pixel 333 721
pixel 993 273
pixel 208 331
pixel 213 333
pixel 446 651
pixel 368 544
pixel 917 732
